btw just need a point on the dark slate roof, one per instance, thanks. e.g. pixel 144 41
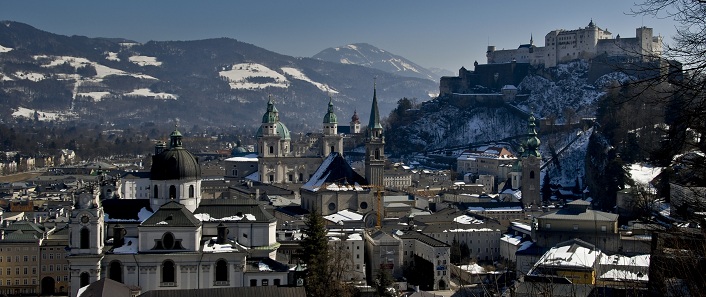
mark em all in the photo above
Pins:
pixel 421 237
pixel 174 214
pixel 106 288
pixel 125 209
pixel 20 236
pixel 334 169
pixel 292 210
pixel 490 205
pixel 26 227
pixel 221 208
pixel 254 264
pixel 136 174
pixel 269 291
pixel 175 163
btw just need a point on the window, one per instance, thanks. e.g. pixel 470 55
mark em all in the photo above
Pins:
pixel 25 258
pixel 291 177
pixel 34 259
pixel 168 273
pixel 51 256
pixel 265 282
pixel 277 282
pixel 272 149
pixel 168 241
pixel 603 228
pixel 191 191
pixel 85 238
pixel 172 192
pixel 332 149
pixel 221 272
pixel 331 206
pixel 377 154
pixel 576 227
pixel 532 174
pixel 272 178
pixel 301 177
pixel 85 279
pixel 25 270
pixel 9 259
pixel 115 271
pixel 253 283
pixel 156 192
pixel 34 270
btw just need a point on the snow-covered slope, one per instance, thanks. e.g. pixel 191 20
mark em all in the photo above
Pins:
pixel 364 54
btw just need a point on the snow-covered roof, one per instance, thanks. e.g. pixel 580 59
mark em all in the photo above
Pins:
pixel 344 215
pixel 573 255
pixel 129 246
pixel 467 220
pixel 335 174
pixel 205 217
pixel 246 158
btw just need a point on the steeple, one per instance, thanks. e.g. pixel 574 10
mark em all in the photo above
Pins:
pixel 374 146
pixel 531 39
pixel 330 117
pixel 532 139
pixel 355 118
pixel 374 122
pixel 271 116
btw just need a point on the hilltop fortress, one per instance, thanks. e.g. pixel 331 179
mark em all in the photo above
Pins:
pixel 509 67
pixel 584 43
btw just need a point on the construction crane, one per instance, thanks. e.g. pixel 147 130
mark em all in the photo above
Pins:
pixel 378 195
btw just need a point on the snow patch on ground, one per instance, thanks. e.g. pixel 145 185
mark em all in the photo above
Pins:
pixel 43 115
pixel 148 93
pixel 101 70
pixel 96 96
pixel 112 56
pixel 33 76
pixel 253 76
pixel 644 174
pixel 4 49
pixel 145 61
pixel 297 74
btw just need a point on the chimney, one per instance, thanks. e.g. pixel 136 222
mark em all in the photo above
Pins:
pixel 222 233
pixel 118 235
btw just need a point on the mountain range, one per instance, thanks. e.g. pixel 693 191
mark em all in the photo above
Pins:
pixel 207 83
pixel 364 54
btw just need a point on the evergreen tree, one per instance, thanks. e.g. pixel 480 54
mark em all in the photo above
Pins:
pixel 324 265
pixel 546 187
pixel 455 251
pixel 383 281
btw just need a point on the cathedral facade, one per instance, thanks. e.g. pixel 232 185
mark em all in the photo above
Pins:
pixel 175 240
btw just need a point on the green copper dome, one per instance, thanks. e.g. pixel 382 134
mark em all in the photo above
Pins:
pixel 330 117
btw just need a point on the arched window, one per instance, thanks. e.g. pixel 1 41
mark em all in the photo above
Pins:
pixel 332 149
pixel 221 271
pixel 191 191
pixel 115 272
pixel 377 154
pixel 172 192
pixel 156 192
pixel 85 279
pixel 85 238
pixel 532 174
pixel 168 272
pixel 272 149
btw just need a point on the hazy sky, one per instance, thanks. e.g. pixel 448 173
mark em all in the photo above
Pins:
pixel 443 34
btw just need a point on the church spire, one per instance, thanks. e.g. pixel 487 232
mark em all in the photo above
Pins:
pixel 330 117
pixel 374 122
pixel 175 138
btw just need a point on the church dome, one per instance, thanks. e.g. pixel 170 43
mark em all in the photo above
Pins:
pixel 175 163
pixel 280 129
pixel 330 117
pixel 355 118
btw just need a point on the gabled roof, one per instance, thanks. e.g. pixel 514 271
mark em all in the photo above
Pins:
pixel 335 174
pixel 125 209
pixel 172 214
pixel 423 238
pixel 232 210
pixel 105 288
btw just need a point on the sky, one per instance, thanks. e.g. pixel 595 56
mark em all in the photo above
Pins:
pixel 442 34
